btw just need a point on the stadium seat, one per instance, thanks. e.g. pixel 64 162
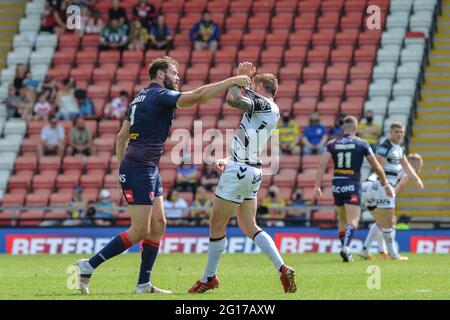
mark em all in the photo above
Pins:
pixel 323 219
pixel 31 218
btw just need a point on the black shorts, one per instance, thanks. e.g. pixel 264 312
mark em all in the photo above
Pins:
pixel 346 191
pixel 140 185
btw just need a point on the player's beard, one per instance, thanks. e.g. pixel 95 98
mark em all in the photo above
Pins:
pixel 168 83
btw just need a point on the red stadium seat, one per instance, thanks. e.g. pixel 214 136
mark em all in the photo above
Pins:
pixel 13 200
pixel 309 6
pixel 132 57
pixel 300 38
pixel 50 163
pixel 323 37
pixel 295 54
pixel 343 53
pixel 73 163
pixel 237 21
pixel 353 107
pixel 67 181
pixel 255 38
pixel 26 163
pixel 92 180
pixel 338 71
pixel 287 89
pixel 226 55
pixel 328 21
pixel 250 54
pixel 35 218
pixel 286 6
pixel 291 71
pixel 19 182
pixel 370 37
pixel 103 144
pixel 324 219
pixel 357 88
pixel 109 127
pixel 218 6
pixel 60 199
pixel 315 71
pixel 282 21
pixel 285 104
pixel 332 6
pixel 68 40
pixel 90 42
pixel 284 177
pixel 97 162
pixel 269 67
pixel 219 72
pixel 329 106
pixel 66 57
pixel 259 21
pixel 230 39
pixel 242 6
pixel 201 57
pixel 172 6
pixel 310 161
pixel 109 57
pixel 82 72
pixel 36 200
pixel 304 106
pixel 305 21
pixel 44 181
pixel 278 38
pixel 197 72
pixel 333 88
pixel 128 73
pixel 290 162
pixel 310 88
pixel 362 70
pixel 211 107
pixel 347 37
pixel 319 54
pixel 352 21
pixel 87 57
pixel 272 55
pixel 188 21
pixel 29 145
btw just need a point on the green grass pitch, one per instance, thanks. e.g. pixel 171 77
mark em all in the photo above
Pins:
pixel 319 276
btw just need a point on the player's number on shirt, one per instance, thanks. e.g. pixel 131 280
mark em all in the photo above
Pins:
pixel 133 110
pixel 347 156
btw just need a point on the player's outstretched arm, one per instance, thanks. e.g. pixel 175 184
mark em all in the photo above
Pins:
pixel 122 139
pixel 376 166
pixel 209 91
pixel 411 172
pixel 326 157
pixel 402 183
pixel 237 100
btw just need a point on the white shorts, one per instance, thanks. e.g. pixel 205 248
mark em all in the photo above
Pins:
pixel 368 195
pixel 239 182
pixel 382 199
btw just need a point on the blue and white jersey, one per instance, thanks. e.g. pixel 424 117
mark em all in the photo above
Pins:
pixel 394 154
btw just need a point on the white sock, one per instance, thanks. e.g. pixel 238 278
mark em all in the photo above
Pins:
pixel 381 243
pixel 215 250
pixel 266 244
pixel 389 237
pixel 374 232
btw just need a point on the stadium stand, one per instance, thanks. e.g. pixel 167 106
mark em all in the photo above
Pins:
pixel 322 51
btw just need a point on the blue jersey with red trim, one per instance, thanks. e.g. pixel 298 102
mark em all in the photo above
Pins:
pixel 151 115
pixel 348 154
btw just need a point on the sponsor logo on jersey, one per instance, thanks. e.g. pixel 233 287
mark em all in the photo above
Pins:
pixel 134 136
pixel 151 195
pixel 344 189
pixel 343 171
pixel 129 195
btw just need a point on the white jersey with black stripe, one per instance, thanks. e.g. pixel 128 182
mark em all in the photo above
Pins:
pixel 255 129
pixel 394 154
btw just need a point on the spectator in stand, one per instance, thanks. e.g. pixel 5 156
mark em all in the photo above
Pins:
pixel 314 136
pixel 209 177
pixel 52 139
pixel 19 77
pixel 160 35
pixel 13 102
pixel 94 24
pixel 75 210
pixel 114 36
pixel 369 131
pixel 105 209
pixel 187 177
pixel 205 34
pixel 116 12
pixel 80 139
pixel 272 206
pixel 118 107
pixel 201 207
pixel 174 208
pixel 29 82
pixel 50 86
pixel 86 106
pixel 66 102
pixel 145 12
pixel 298 199
pixel 337 129
pixel 42 107
pixel 289 135
pixel 52 20
pixel 27 100
pixel 138 36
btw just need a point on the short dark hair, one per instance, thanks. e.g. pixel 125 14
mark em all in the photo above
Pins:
pixel 161 64
pixel 123 93
pixel 269 81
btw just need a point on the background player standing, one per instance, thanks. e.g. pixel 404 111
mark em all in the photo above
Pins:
pixel 239 183
pixel 348 152
pixel 368 197
pixel 143 134
pixel 391 156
